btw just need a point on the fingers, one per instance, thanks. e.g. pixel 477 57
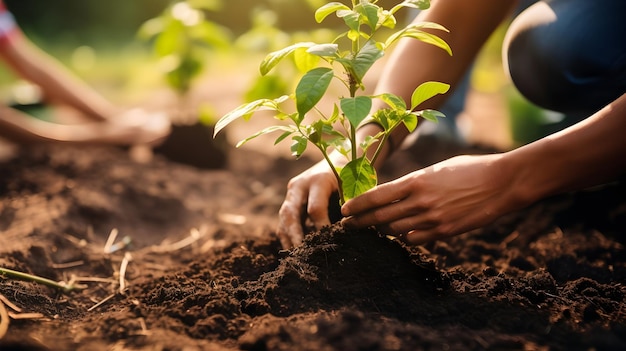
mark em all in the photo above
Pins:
pixel 317 207
pixel 307 195
pixel 289 229
pixel 397 215
pixel 381 195
pixel 417 237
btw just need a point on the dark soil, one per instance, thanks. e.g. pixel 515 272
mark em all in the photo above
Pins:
pixel 549 277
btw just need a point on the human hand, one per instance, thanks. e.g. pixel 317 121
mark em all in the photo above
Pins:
pixel 307 196
pixel 443 200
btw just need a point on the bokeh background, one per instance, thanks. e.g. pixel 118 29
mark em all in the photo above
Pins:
pixel 98 40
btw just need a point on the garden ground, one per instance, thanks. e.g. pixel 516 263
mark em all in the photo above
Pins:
pixel 205 271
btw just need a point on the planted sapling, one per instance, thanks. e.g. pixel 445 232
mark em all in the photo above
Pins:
pixel 347 59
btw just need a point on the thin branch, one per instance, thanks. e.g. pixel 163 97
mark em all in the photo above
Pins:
pixel 4 320
pixel 127 258
pixel 194 236
pixel 10 304
pixel 28 315
pixel 68 264
pixel 101 302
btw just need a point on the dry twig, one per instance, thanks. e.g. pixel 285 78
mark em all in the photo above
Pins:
pixel 101 302
pixel 127 258
pixel 4 320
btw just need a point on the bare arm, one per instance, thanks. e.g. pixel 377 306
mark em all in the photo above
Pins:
pixel 410 64
pixel 57 83
pixel 586 154
pixel 413 62
pixel 467 192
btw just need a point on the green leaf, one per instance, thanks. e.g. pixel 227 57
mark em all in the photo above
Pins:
pixel 356 109
pixel 324 50
pixel 357 177
pixel 426 91
pixel 272 59
pixel 369 12
pixel 304 60
pixel 365 58
pixel 410 121
pixel 389 20
pixel 282 137
pixel 327 9
pixel 416 4
pixel 298 146
pixel 311 88
pixel 420 4
pixel 431 115
pixel 267 130
pixel 245 110
pixel 351 19
pixel 415 31
pixel 394 101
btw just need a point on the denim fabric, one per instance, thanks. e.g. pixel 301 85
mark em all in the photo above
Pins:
pixel 574 59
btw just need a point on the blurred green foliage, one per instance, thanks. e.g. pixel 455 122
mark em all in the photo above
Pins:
pixel 183 39
pixel 79 21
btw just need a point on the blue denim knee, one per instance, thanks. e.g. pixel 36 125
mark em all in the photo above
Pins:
pixel 569 55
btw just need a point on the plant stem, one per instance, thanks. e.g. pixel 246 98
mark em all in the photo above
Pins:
pixel 342 198
pixel 30 277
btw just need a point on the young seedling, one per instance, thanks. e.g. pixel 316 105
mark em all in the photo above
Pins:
pixel 347 59
pixel 182 38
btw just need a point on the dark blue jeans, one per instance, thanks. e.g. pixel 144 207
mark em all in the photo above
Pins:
pixel 569 55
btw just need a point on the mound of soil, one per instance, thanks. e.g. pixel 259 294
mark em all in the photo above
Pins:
pixel 196 264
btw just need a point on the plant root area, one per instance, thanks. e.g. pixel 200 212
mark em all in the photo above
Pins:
pixel 164 256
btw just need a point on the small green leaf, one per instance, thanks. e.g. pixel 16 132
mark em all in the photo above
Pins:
pixel 298 146
pixel 272 59
pixel 267 130
pixel 282 137
pixel 389 20
pixel 357 177
pixel 416 4
pixel 369 12
pixel 304 60
pixel 311 88
pixel 415 31
pixel 365 58
pixel 394 101
pixel 431 115
pixel 246 110
pixel 324 50
pixel 327 9
pixel 426 91
pixel 410 121
pixel 356 109
pixel 367 142
pixel 351 19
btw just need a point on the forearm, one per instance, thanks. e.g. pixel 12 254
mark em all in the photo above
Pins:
pixel 413 62
pixel 57 83
pixel 19 128
pixel 586 154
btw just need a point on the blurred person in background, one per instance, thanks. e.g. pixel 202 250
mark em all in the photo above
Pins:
pixel 104 122
pixel 564 55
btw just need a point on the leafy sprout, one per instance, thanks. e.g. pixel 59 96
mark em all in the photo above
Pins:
pixel 346 59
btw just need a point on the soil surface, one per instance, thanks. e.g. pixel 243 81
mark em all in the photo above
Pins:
pixel 203 269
